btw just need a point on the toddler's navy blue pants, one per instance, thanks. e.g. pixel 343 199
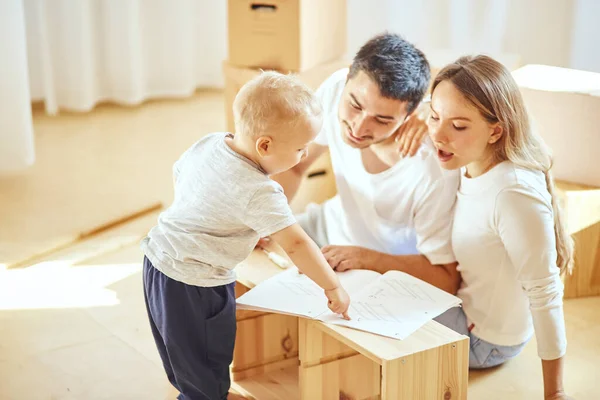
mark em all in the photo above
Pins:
pixel 194 330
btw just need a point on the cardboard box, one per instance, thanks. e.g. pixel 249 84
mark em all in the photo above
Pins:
pixel 317 186
pixel 236 77
pixel 565 107
pixel 286 35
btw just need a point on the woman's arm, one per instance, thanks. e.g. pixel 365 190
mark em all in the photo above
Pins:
pixel 525 224
pixel 553 379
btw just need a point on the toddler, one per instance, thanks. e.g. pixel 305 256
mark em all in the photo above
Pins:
pixel 224 202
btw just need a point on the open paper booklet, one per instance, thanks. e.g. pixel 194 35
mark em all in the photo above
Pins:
pixel 394 304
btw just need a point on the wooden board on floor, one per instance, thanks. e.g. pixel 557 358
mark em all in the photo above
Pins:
pixel 113 229
pixel 103 244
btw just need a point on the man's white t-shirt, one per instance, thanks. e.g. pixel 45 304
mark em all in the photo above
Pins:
pixel 407 209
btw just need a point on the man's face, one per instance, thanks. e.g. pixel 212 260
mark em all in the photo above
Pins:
pixel 366 117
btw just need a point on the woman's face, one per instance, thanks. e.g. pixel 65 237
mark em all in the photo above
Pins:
pixel 459 132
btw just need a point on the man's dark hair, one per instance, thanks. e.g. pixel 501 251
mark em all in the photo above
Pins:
pixel 400 70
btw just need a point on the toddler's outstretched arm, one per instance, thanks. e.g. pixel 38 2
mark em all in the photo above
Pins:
pixel 307 256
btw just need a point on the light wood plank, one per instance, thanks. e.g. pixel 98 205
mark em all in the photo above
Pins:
pixel 438 373
pixel 581 205
pixel 264 340
pixel 354 377
pixel 380 348
pixel 276 385
pixel 264 369
pixel 317 347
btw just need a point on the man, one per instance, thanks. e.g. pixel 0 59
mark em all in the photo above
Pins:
pixel 392 212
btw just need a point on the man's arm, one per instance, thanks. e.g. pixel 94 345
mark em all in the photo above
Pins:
pixel 290 180
pixel 433 223
pixel 443 276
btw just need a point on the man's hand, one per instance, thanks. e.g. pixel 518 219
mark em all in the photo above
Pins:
pixel 343 258
pixel 410 135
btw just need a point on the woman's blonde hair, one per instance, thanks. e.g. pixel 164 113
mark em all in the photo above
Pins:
pixel 490 87
pixel 272 102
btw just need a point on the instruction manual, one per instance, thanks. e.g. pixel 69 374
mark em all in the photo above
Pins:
pixel 394 304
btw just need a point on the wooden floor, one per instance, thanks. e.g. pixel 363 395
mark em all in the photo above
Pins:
pixel 73 324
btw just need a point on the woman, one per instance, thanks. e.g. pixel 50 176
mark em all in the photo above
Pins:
pixel 508 237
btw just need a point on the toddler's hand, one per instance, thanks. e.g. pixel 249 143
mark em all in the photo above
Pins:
pixel 263 243
pixel 339 301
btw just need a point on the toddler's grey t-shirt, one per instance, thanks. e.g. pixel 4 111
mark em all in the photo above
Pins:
pixel 223 204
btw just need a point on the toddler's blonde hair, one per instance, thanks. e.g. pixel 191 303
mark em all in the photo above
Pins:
pixel 272 102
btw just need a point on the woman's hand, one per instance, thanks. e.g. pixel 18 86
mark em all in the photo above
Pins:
pixel 560 395
pixel 404 142
pixel 552 371
pixel 410 135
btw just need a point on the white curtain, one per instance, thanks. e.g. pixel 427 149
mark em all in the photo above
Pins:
pixel 554 32
pixel 81 52
pixel 16 130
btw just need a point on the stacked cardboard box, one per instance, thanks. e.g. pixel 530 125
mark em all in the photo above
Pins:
pixel 286 35
pixel 306 37
pixel 565 107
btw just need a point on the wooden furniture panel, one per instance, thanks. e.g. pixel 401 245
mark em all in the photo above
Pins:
pixel 355 377
pixel 265 343
pixel 438 373
pixel 581 206
pixel 283 357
